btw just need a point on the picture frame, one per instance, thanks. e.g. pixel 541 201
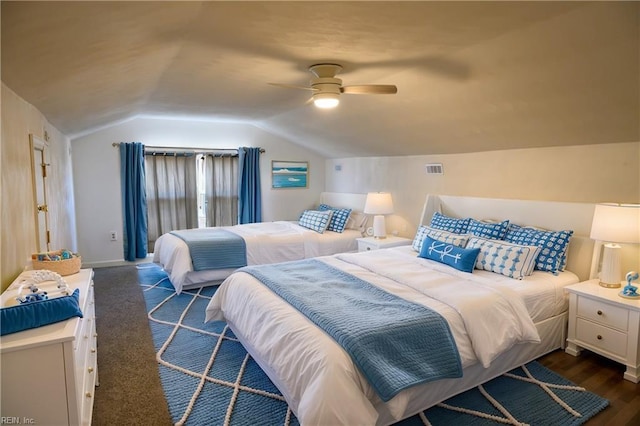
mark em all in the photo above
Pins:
pixel 289 174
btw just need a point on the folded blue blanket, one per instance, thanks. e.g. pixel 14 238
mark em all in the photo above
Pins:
pixel 395 343
pixel 214 248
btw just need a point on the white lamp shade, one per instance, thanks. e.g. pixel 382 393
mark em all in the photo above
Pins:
pixel 378 203
pixel 326 100
pixel 618 223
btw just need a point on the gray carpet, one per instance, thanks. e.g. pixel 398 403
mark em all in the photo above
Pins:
pixel 130 392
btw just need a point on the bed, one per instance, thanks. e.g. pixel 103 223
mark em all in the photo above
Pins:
pixel 322 383
pixel 265 242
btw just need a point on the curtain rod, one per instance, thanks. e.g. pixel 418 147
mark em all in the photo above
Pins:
pixel 169 150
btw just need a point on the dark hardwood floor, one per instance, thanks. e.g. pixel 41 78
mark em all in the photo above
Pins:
pixel 602 377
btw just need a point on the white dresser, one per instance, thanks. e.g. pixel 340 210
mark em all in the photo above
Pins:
pixel 49 373
pixel 603 322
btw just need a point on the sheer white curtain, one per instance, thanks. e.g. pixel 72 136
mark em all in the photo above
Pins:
pixel 172 195
pixel 221 190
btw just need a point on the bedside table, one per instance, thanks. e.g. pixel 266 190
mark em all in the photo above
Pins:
pixel 605 323
pixel 370 243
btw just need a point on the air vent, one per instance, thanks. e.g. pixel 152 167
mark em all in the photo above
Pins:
pixel 434 169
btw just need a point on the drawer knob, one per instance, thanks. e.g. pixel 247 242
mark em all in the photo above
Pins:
pixel 88 394
pixel 368 248
pixel 93 350
pixel 90 369
pixel 599 337
pixel 599 312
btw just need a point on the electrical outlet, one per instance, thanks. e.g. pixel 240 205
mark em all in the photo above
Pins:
pixel 113 235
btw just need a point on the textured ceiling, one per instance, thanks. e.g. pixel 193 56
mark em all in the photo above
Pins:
pixel 471 76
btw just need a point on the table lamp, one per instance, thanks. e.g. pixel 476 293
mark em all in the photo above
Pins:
pixel 378 204
pixel 613 224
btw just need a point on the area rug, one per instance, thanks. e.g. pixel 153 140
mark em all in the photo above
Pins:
pixel 209 379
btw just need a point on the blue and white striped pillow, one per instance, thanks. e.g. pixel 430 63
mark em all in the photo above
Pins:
pixel 459 240
pixel 451 224
pixel 315 220
pixel 511 260
pixel 553 244
pixel 339 217
pixel 491 230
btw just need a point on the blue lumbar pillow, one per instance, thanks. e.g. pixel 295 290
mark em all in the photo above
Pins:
pixel 38 313
pixel 449 254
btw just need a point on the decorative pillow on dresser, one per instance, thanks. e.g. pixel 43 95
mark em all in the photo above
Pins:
pixel 451 224
pixel 553 245
pixel 339 217
pixel 315 220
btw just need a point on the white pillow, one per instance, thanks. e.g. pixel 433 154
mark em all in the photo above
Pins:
pixel 459 240
pixel 511 260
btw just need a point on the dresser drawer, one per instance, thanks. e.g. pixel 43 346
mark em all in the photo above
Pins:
pixel 603 313
pixel 601 337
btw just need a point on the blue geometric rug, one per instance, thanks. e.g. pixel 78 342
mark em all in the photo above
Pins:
pixel 209 379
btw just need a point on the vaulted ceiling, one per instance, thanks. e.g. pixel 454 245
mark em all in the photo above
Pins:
pixel 471 76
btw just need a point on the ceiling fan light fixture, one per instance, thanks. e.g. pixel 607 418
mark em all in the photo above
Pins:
pixel 326 100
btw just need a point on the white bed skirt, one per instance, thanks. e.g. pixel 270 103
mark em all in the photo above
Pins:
pixel 552 334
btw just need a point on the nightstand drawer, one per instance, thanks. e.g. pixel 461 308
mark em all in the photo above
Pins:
pixel 364 246
pixel 603 313
pixel 601 337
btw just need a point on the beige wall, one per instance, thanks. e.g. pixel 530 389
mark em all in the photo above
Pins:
pixel 586 173
pixel 17 226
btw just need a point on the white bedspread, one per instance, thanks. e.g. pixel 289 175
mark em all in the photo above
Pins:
pixel 318 378
pixel 266 242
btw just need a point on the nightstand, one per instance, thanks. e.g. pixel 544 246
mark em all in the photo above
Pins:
pixel 605 323
pixel 371 243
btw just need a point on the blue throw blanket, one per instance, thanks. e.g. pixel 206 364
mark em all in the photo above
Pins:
pixel 213 248
pixel 395 343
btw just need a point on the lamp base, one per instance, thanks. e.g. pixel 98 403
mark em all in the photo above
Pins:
pixel 379 229
pixel 611 273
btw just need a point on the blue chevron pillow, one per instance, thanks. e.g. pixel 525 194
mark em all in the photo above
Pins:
pixel 459 240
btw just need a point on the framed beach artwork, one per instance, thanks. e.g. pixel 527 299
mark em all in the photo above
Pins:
pixel 289 174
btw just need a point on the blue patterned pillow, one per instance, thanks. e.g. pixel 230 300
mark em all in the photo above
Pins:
pixel 460 258
pixel 491 230
pixel 438 234
pixel 315 220
pixel 451 224
pixel 553 244
pixel 511 260
pixel 339 217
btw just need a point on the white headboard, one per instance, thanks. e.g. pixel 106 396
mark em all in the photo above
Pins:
pixel 344 200
pixel 550 215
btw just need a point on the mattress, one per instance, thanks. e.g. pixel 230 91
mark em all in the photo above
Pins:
pixel 318 378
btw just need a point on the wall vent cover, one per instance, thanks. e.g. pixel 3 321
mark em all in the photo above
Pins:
pixel 434 169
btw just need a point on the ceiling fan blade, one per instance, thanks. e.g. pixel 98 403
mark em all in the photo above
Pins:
pixel 293 86
pixel 370 89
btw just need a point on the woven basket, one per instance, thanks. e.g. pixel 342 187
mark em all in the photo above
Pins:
pixel 62 267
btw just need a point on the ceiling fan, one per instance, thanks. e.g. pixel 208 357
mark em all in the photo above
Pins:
pixel 327 88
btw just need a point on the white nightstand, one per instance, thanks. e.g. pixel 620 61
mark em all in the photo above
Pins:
pixel 371 243
pixel 605 323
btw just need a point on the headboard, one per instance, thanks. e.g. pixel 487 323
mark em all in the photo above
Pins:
pixel 344 200
pixel 550 215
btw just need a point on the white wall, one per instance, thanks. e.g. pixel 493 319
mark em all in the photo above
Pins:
pixel 96 169
pixel 585 173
